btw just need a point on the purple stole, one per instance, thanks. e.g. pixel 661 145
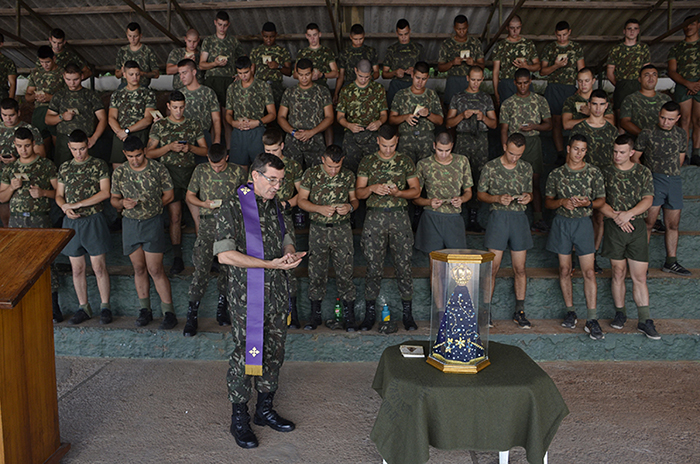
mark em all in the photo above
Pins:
pixel 255 289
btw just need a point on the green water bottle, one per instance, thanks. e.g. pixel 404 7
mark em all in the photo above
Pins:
pixel 386 315
pixel 338 310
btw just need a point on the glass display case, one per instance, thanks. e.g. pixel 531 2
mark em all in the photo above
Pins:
pixel 459 317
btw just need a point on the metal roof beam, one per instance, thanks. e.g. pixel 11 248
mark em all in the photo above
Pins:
pixel 182 14
pixel 155 23
pixel 513 12
pixel 674 30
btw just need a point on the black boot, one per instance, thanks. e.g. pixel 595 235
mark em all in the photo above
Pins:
pixel 349 316
pixel 222 315
pixel 294 319
pixel 315 320
pixel 191 324
pixel 57 314
pixel 408 322
pixel 265 415
pixel 474 225
pixel 370 316
pixel 240 427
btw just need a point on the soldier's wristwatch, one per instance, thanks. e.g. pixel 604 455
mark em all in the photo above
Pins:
pixel 127 131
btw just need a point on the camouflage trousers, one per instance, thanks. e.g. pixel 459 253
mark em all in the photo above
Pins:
pixel 291 278
pixel 334 242
pixel 36 222
pixel 416 145
pixel 307 153
pixel 357 146
pixel 476 148
pixel 240 385
pixel 202 258
pixel 392 229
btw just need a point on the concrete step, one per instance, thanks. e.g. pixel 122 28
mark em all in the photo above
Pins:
pixel 546 341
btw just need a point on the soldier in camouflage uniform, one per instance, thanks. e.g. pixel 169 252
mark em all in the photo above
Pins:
pixel 573 190
pixel 306 111
pixel 662 150
pixel 189 52
pixel 625 60
pixel 387 180
pixel 130 111
pixel 629 192
pixel 328 194
pixel 175 141
pixel 249 106
pixel 416 110
pixel 684 69
pixel 211 184
pixel 83 184
pixel 28 184
pixel 510 54
pixel 457 55
pixel 279 256
pixel 350 56
pixel 321 56
pixel 8 74
pixel 219 53
pixel 202 104
pixel 141 53
pixel 271 61
pixel 63 55
pixel 361 111
pixel 9 109
pixel 44 81
pixel 576 108
pixel 561 60
pixel 399 60
pixel 640 110
pixel 447 180
pixel 506 184
pixel 140 189
pixel 75 107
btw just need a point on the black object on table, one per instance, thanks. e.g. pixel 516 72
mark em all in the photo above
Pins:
pixel 512 402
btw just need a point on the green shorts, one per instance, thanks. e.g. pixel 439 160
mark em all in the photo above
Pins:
pixel 533 153
pixel 148 234
pixel 623 88
pixel 508 228
pixel 620 245
pixel 117 155
pixel 437 231
pixel 246 145
pixel 91 236
pixel 556 95
pixel 181 180
pixel 680 94
pixel 567 234
pixel 30 221
pixel 219 84
pixel 668 191
pixel 38 121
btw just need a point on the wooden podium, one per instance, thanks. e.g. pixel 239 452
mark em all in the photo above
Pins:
pixel 28 399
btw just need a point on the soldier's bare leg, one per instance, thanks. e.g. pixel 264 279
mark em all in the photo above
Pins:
pixel 565 280
pixel 640 290
pixel 590 288
pixel 77 264
pixel 672 219
pixel 175 213
pixel 617 287
pixel 141 281
pixel 194 211
pixel 520 278
pixel 154 263
pixel 652 215
pixel 99 267
pixel 495 267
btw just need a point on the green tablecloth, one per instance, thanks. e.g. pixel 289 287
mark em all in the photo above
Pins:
pixel 512 402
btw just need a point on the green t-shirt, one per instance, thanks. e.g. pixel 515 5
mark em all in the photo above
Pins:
pixel 643 111
pixel 599 151
pixel 564 182
pixel 628 60
pixel 397 170
pixel 40 172
pixel 506 52
pixel 64 58
pixel 567 74
pixel 625 189
pixel 229 47
pixel 7 68
pixel 451 49
pixel 85 101
pixel 687 56
pixel 348 59
pixel 81 181
pixel 497 180
pixel 200 104
pixel 445 181
pixel 262 54
pixel 7 137
pixel 146 186
pixel 321 58
pixel 403 56
pixel 405 102
pixel 464 101
pixel 166 131
pixel 144 56
pixel 326 190
pixel 131 105
pixel 208 184
pixel 306 105
pixel 516 111
pixel 48 82
pixel 249 102
pixel 573 104
pixel 177 55
pixel 292 174
pixel 362 106
pixel 662 149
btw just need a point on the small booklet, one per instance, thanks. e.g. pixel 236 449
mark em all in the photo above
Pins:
pixel 266 59
pixel 412 351
pixel 222 58
pixel 74 111
pixel 418 109
pixel 561 56
pixel 464 54
pixel 157 115
pixel 580 105
pixel 23 176
pixel 216 203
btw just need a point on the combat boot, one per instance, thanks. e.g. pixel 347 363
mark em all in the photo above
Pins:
pixel 294 316
pixel 265 415
pixel 222 315
pixel 240 427
pixel 349 316
pixel 408 322
pixel 315 320
pixel 370 316
pixel 191 325
pixel 57 314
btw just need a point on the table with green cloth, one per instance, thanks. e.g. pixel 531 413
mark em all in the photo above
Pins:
pixel 512 402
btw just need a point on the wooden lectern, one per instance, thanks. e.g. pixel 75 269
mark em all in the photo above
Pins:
pixel 28 399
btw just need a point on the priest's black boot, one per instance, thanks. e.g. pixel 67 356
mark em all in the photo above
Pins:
pixel 408 322
pixel 191 325
pixel 265 415
pixel 370 315
pixel 315 320
pixel 222 315
pixel 240 427
pixel 294 319
pixel 349 316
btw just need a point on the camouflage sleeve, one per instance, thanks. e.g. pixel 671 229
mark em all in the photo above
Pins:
pixel 365 166
pixel 548 53
pixel 326 98
pixel 114 99
pixel 102 170
pixel 544 110
pixel 120 58
pixel 528 177
pixel 286 56
pixel 306 183
pixel 672 54
pixel 62 173
pixel 226 232
pixel 643 141
pixel 151 99
pixel 156 130
pixel 342 100
pixel 342 59
pixel 297 171
pixel 552 182
pixel 55 102
pixel 30 80
pixel 212 102
pixel 206 43
pixel 194 185
pixel 578 51
pixel 166 182
pixel 173 57
pixel 598 183
pixel 479 52
pixel 152 60
pixel 230 98
pixel 116 181
pixel 569 106
pixel 647 182
pixel 506 110
pixel 38 138
pixel 352 179
pixel 197 132
pixel 389 58
pixel 647 54
pixel 467 180
pixel 285 98
pixel 399 104
pixel 485 178
pixel 435 105
pixel 381 95
pixel 409 168
pixel 95 102
pixel 373 57
pixel 444 55
pixel 267 94
pixel 497 52
pixel 420 172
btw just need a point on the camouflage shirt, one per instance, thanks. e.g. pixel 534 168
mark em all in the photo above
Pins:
pixel 567 74
pixel 7 137
pixel 249 102
pixel 144 56
pixel 292 174
pixel 326 190
pixel 201 103
pixel 506 52
pixel 405 102
pixel 564 182
pixel 599 151
pixel 403 56
pixel 131 105
pixel 397 170
pixel 464 101
pixel 86 101
pixel 229 47
pixel 625 189
pixel 147 186
pixel 350 56
pixel 321 58
pixel 40 172
pixel 517 111
pixel 48 82
pixel 166 131
pixel 643 111
pixel 64 58
pixel 262 54
pixel 445 181
pixel 208 184
pixel 451 49
pixel 572 104
pixel 687 56
pixel 662 149
pixel 497 180
pixel 7 68
pixel 177 55
pixel 306 105
pixel 81 181
pixel 628 60
pixel 362 106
